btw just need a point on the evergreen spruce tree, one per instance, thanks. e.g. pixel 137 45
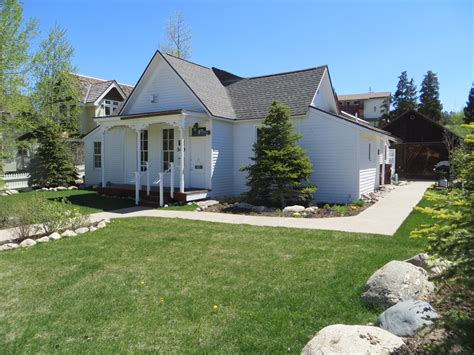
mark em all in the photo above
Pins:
pixel 52 164
pixel 281 170
pixel 405 97
pixel 469 109
pixel 430 105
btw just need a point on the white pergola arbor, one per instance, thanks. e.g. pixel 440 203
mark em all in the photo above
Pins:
pixel 180 119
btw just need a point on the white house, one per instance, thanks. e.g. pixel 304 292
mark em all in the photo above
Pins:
pixel 196 126
pixel 370 106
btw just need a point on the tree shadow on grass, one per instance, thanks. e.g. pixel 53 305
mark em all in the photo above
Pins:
pixel 92 202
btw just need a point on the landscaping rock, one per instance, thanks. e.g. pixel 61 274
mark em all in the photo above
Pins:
pixel 69 233
pixel 420 260
pixel 61 188
pixel 405 318
pixel 54 236
pixel 244 206
pixel 312 209
pixel 106 220
pixel 82 230
pixel 27 243
pixel 44 189
pixel 42 240
pixel 207 203
pixel 101 224
pixel 434 267
pixel 353 339
pixel 295 208
pixel 397 281
pixel 72 188
pixel 92 229
pixel 8 246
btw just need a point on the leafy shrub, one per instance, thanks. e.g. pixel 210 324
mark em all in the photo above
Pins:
pixel 340 208
pixel 59 215
pixel 359 203
pixel 41 215
pixel 452 237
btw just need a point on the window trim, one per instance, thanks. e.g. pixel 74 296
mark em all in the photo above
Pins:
pixel 170 152
pixel 370 152
pixel 144 154
pixel 97 154
pixel 112 105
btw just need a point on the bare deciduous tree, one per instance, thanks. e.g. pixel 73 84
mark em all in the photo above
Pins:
pixel 178 36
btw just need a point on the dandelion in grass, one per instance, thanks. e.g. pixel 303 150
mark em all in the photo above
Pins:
pixel 141 283
pixel 354 207
pixel 162 301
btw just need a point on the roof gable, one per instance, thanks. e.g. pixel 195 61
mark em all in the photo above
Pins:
pixel 93 89
pixel 227 95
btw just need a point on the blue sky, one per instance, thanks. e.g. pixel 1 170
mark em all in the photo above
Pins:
pixel 366 43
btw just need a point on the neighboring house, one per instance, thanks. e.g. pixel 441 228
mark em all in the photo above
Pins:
pixel 423 144
pixel 368 106
pixel 98 98
pixel 205 120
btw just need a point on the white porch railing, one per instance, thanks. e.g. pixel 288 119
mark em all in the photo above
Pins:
pixel 160 182
pixel 20 180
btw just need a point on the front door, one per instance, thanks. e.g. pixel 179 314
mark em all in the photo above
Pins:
pixel 198 162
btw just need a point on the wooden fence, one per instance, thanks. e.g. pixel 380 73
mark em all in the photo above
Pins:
pixel 18 181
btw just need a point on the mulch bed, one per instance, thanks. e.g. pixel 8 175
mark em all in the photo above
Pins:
pixel 323 211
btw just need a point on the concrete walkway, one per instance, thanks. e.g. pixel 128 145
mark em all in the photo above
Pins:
pixel 384 217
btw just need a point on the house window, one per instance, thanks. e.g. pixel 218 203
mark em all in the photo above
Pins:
pixel 143 149
pixel 97 155
pixel 370 151
pixel 110 107
pixel 168 147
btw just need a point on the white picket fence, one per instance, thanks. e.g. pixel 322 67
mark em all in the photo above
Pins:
pixel 15 181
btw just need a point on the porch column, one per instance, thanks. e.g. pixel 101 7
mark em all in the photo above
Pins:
pixel 181 165
pixel 139 148
pixel 383 163
pixel 102 156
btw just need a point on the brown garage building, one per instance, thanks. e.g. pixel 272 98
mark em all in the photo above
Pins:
pixel 423 144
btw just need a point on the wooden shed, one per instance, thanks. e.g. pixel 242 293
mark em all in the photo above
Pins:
pixel 424 143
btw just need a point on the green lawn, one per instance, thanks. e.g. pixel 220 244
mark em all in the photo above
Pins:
pixel 150 285
pixel 87 201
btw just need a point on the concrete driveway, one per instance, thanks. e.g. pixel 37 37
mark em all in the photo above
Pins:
pixel 384 217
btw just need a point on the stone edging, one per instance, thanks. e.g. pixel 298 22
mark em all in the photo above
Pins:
pixel 29 242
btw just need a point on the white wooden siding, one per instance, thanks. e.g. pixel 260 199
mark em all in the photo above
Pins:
pixel 324 97
pixel 171 92
pixel 222 168
pixel 329 142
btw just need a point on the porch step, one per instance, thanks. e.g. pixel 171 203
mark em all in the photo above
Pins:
pixel 154 198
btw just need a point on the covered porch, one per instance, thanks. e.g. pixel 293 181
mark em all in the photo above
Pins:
pixel 157 157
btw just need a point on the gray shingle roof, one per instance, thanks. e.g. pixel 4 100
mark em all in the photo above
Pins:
pixel 93 88
pixel 227 95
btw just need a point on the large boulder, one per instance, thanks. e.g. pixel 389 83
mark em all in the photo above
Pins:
pixel 8 246
pixel 397 281
pixel 353 339
pixel 42 240
pixel 69 233
pixel 406 317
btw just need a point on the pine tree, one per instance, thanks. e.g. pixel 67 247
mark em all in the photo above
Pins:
pixel 52 164
pixel 281 170
pixel 469 109
pixel 430 105
pixel 405 97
